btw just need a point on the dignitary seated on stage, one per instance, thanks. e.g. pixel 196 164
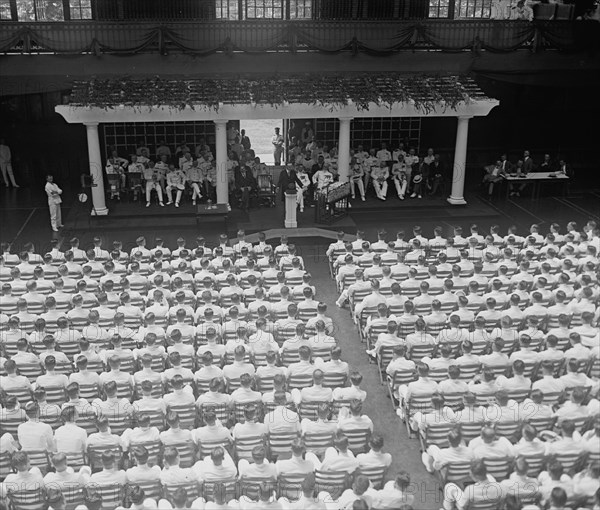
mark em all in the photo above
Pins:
pixel 245 185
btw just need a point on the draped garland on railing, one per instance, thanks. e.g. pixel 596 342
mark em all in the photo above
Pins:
pixel 425 92
pixel 377 37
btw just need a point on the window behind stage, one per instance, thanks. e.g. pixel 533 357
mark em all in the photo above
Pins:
pixel 46 10
pixel 125 137
pixel 371 131
pixel 263 9
pixel 460 9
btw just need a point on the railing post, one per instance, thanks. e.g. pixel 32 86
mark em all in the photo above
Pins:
pixel 120 9
pixel 537 39
pixel 406 9
pixel 292 38
pixel 14 12
pixel 241 15
pixel 396 13
pixel 365 9
pixel 66 10
pixel 27 41
pixel 288 10
pixel 451 9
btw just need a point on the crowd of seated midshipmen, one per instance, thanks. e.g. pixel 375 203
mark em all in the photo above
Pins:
pixel 490 346
pixel 190 368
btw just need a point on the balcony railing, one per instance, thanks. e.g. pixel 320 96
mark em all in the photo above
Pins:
pixel 240 10
pixel 382 37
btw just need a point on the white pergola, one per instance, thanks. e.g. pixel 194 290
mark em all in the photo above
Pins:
pixel 91 117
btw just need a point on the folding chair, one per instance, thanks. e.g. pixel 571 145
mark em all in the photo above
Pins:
pixel 536 464
pixel 89 391
pixel 249 487
pixel 243 446
pixel 334 379
pixel 154 449
pixel 75 460
pixel 124 389
pixel 507 429
pixel 267 193
pixel 400 378
pixel 186 413
pixel 414 404
pixel 375 474
pixel 300 381
pixel 470 430
pixel 74 497
pixel 280 442
pixel 27 499
pixel 151 489
pixel 187 453
pixel 499 468
pixel 205 448
pixel 290 485
pixel 455 472
pixel 94 454
pixel 435 434
pixel 55 395
pixel 230 489
pixel 39 459
pixel 192 489
pixel 334 482
pixel 318 442
pixel 118 423
pixel 383 358
pixel 358 439
pixel 308 410
pixel 114 186
pixel 222 411
pixel 518 395
pixel 30 370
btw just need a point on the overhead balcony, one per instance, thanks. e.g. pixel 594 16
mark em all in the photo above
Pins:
pixel 373 37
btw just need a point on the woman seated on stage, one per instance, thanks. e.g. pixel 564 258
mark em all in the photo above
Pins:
pixel 417 183
pixel 356 178
pixel 194 177
pixel 400 177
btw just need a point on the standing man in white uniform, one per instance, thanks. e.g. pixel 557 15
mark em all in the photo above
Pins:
pixel 54 201
pixel 6 164
pixel 277 142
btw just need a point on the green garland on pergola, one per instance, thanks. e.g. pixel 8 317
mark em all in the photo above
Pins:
pixel 426 92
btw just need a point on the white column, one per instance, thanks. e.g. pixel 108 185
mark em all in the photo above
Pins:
pixel 460 161
pixel 344 149
pixel 98 199
pixel 221 156
pixel 290 210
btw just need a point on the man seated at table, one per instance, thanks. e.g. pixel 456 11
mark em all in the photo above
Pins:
pixel 517 171
pixel 493 175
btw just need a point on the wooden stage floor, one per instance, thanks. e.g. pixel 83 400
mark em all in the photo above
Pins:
pixel 24 217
